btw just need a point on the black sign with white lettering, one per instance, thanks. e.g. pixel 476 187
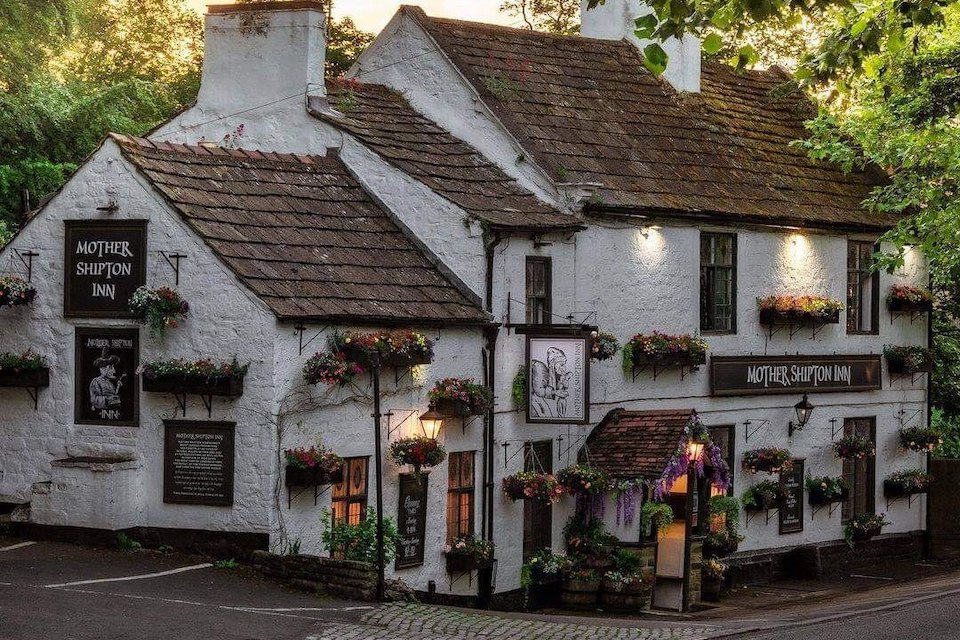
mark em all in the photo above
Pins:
pixel 791 508
pixel 198 461
pixel 104 263
pixel 412 520
pixel 759 375
pixel 106 368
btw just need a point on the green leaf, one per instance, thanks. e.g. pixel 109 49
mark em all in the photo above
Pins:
pixel 712 43
pixel 746 56
pixel 723 17
pixel 655 58
pixel 859 26
pixel 645 26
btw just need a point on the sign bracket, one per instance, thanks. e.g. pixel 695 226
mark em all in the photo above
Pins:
pixel 173 259
pixel 748 432
pixel 391 429
pixel 29 254
pixel 300 328
pixel 834 430
pixel 905 421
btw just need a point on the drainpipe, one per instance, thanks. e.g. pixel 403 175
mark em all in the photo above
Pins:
pixel 927 542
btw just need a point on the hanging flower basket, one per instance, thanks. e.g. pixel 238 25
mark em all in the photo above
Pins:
pixel 664 350
pixel 15 291
pixel 468 553
pixel 863 527
pixel 854 448
pixel 330 369
pixel 826 490
pixel 27 369
pixel 312 467
pixel 603 345
pixel 908 359
pixel 903 484
pixel 529 485
pixel 418 452
pixel 202 377
pixel 907 299
pixel 922 439
pixel 395 348
pixel 161 308
pixel 763 496
pixel 767 460
pixel 787 309
pixel 581 479
pixel 459 397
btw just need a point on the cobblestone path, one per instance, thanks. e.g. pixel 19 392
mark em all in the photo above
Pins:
pixel 424 622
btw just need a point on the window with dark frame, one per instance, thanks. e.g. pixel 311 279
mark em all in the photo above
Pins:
pixel 348 500
pixel 460 491
pixel 725 438
pixel 718 282
pixel 859 474
pixel 537 515
pixel 538 286
pixel 863 288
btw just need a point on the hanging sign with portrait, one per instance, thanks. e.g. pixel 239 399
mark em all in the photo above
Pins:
pixel 558 379
pixel 106 385
pixel 104 261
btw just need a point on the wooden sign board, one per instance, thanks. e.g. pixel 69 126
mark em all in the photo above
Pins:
pixel 198 462
pixel 791 508
pixel 105 377
pixel 761 375
pixel 558 379
pixel 412 520
pixel 104 263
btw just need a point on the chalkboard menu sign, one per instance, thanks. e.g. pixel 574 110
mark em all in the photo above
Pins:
pixel 412 520
pixel 106 387
pixel 791 509
pixel 198 459
pixel 104 263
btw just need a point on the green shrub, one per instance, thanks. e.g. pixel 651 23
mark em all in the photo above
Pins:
pixel 359 541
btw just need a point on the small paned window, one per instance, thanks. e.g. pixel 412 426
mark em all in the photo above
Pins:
pixel 460 492
pixel 863 288
pixel 859 474
pixel 538 288
pixel 349 498
pixel 718 282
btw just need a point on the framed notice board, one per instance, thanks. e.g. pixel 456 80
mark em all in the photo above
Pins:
pixel 412 520
pixel 791 509
pixel 198 462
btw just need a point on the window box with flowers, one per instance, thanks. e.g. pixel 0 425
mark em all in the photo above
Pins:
pixel 825 491
pixel 419 452
pixel 904 484
pixel 660 351
pixel 907 299
pixel 399 349
pixel 312 467
pixel 468 553
pixel 15 292
pixel 24 370
pixel 763 496
pixel 331 369
pixel 920 439
pixel 202 377
pixel 459 398
pixel 161 308
pixel 603 346
pixel 854 448
pixel 908 360
pixel 767 460
pixel 530 485
pixel 798 311
pixel 863 527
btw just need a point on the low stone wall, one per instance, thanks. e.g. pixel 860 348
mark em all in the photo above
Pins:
pixel 340 578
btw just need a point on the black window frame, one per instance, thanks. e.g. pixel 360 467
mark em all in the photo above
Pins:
pixel 347 499
pixel 531 298
pixel 708 272
pixel 855 296
pixel 863 426
pixel 731 430
pixel 455 490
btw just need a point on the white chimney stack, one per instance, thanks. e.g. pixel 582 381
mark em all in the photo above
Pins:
pixel 260 53
pixel 614 20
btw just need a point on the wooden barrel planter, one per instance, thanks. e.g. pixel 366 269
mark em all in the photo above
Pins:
pixel 710 589
pixel 579 594
pixel 625 598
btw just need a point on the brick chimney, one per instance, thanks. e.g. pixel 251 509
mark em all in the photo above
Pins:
pixel 614 20
pixel 262 52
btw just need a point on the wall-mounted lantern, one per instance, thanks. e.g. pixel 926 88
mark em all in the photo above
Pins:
pixel 804 409
pixel 695 449
pixel 430 422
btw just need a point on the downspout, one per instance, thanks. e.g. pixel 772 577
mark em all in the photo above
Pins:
pixel 927 542
pixel 491 240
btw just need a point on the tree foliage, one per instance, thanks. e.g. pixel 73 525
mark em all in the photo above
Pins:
pixel 552 16
pixel 345 42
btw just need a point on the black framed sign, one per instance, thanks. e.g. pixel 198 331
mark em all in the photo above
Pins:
pixel 761 375
pixel 412 520
pixel 791 507
pixel 104 263
pixel 198 462
pixel 558 379
pixel 105 377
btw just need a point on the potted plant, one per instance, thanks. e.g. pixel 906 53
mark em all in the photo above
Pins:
pixel 580 588
pixel 15 291
pixel 418 452
pixel 712 573
pixel 202 376
pixel 540 577
pixel 785 309
pixel 655 517
pixel 518 390
pixel 854 448
pixel 922 439
pixel 459 397
pixel 625 591
pixel 330 368
pixel 763 496
pixel 603 345
pixel 589 543
pixel 908 359
pixel 904 298
pixel 723 536
pixel 906 483
pixel 358 542
pixel 822 491
pixel 581 479
pixel 468 553
pixel 767 460
pixel 664 350
pixel 863 527
pixel 26 369
pixel 161 308
pixel 530 485
pixel 404 348
pixel 313 466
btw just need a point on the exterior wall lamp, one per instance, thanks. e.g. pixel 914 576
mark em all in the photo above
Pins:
pixel 695 449
pixel 804 409
pixel 431 421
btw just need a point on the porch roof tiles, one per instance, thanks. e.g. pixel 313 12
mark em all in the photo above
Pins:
pixel 635 444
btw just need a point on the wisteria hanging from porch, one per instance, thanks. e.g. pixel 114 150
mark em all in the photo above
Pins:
pixel 717 472
pixel 627 491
